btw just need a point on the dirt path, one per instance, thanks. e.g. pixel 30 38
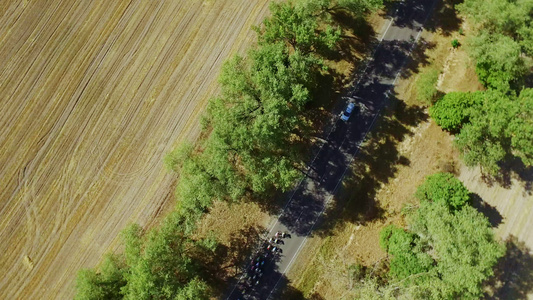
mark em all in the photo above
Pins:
pixel 93 94
pixel 514 205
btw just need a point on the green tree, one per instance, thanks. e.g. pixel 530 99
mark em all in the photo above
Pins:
pixel 355 7
pixel 463 245
pixel 296 26
pixel 105 284
pixel 451 112
pixel 521 128
pixel 499 63
pixel 166 267
pixel 484 141
pixel 447 253
pixel 504 38
pixel 445 189
pixel 407 259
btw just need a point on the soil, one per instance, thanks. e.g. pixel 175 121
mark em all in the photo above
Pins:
pixel 94 94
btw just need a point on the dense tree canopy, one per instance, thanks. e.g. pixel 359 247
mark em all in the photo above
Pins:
pixel 447 253
pixel 503 41
pixel 499 61
pixel 463 247
pixel 492 126
pixel 498 128
pixel 406 259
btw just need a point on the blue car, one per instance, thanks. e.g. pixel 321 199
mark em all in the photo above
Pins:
pixel 347 112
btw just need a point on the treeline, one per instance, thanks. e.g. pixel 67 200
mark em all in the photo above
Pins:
pixel 495 125
pixel 246 149
pixel 447 250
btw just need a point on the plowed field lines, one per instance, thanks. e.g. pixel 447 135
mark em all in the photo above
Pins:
pixel 92 96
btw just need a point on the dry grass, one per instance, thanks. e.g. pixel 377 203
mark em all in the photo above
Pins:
pixel 94 93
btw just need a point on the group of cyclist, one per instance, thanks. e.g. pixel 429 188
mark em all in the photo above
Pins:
pixel 254 270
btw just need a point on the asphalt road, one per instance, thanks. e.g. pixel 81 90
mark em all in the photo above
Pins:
pixel 334 158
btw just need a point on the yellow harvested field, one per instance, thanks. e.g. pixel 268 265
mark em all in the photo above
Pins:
pixel 92 96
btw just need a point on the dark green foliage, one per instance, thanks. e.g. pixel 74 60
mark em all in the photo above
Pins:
pixel 499 64
pixel 455 43
pixel 426 86
pixel 162 264
pixel 452 111
pixel 492 126
pixel 356 8
pixel 253 124
pixel 445 189
pixel 298 27
pixel 166 265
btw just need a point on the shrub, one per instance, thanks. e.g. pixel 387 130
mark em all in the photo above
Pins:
pixel 451 112
pixel 455 43
pixel 426 86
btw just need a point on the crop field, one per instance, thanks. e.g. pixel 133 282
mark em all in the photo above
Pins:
pixel 93 95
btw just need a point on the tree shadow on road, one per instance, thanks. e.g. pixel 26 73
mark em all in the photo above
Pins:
pixel 228 259
pixel 374 166
pixel 513 276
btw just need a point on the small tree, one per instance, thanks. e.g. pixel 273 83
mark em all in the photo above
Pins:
pixel 452 111
pixel 445 189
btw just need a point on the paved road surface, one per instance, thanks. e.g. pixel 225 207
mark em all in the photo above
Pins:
pixel 327 169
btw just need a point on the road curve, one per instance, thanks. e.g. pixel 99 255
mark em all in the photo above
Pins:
pixel 327 169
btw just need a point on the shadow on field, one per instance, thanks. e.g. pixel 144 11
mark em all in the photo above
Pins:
pixel 513 276
pixel 511 168
pixel 494 216
pixel 375 165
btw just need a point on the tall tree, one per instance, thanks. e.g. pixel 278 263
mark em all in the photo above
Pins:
pixel 105 284
pixel 499 61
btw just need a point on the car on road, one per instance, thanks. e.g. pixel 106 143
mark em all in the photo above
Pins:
pixel 345 115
